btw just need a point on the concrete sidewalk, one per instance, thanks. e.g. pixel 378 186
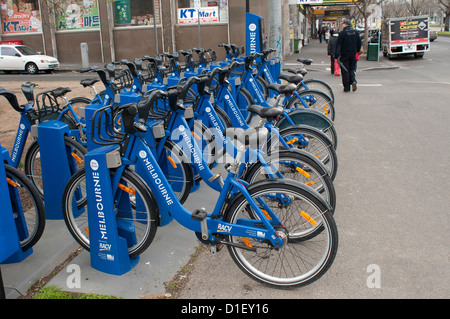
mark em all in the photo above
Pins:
pixel 169 252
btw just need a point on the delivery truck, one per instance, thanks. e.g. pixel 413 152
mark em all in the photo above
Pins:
pixel 409 35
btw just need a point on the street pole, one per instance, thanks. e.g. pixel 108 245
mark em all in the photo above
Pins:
pixel 275 38
pixel 154 27
pixel 197 6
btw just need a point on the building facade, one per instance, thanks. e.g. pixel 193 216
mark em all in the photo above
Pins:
pixel 125 29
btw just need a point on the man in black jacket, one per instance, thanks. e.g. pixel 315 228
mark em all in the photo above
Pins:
pixel 348 44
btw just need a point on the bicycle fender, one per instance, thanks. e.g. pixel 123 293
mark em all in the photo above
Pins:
pixel 284 181
pixel 307 127
pixel 307 117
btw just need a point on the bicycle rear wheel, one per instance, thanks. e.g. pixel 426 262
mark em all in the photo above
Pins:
pixel 27 203
pixel 140 213
pixel 298 262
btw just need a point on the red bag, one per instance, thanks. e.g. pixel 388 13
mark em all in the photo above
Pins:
pixel 337 69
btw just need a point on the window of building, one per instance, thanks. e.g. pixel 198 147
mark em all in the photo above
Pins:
pixel 20 16
pixel 136 12
pixel 76 15
pixel 209 11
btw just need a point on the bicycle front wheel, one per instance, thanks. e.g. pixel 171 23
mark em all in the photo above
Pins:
pixel 28 207
pixel 135 209
pixel 298 262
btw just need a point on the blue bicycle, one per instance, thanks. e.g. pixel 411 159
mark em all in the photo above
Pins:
pixel 263 224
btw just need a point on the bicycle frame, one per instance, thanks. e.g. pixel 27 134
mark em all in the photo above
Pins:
pixel 138 154
pixel 206 113
pixel 226 101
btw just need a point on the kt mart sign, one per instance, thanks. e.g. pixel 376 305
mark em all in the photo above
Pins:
pixel 191 15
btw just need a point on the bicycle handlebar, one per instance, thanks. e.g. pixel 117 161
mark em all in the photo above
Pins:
pixel 101 73
pixel 12 99
pixel 144 106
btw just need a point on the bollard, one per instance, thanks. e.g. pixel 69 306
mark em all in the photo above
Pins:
pixel 84 55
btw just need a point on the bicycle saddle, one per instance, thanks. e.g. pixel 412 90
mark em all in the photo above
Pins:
pixel 266 112
pixel 303 72
pixel 305 61
pixel 60 92
pixel 282 89
pixel 296 79
pixel 248 137
pixel 88 82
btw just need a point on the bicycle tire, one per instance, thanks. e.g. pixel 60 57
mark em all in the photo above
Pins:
pixel 263 86
pixel 223 116
pixel 34 219
pixel 298 262
pixel 177 169
pixel 243 100
pixel 319 85
pixel 77 220
pixel 318 144
pixel 320 102
pixel 32 165
pixel 206 141
pixel 310 172
pixel 79 102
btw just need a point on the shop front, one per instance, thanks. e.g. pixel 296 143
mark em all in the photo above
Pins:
pixel 124 29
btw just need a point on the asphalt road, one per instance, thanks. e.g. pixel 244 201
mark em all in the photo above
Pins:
pixel 392 191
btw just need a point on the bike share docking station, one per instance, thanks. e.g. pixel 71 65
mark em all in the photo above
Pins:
pixel 12 220
pixel 57 165
pixel 109 237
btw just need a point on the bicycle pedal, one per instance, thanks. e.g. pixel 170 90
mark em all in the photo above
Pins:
pixel 199 214
pixel 214 177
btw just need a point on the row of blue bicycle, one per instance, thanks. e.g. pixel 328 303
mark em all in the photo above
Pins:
pixel 160 127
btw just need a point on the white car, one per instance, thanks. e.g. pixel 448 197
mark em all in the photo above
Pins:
pixel 23 58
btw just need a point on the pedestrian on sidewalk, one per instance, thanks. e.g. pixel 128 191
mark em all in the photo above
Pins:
pixel 332 48
pixel 348 44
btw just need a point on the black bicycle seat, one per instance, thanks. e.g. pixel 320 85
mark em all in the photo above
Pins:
pixel 296 79
pixel 305 61
pixel 266 112
pixel 248 137
pixel 88 82
pixel 60 92
pixel 282 89
pixel 303 72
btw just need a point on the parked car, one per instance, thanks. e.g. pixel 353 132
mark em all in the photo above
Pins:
pixel 433 35
pixel 23 58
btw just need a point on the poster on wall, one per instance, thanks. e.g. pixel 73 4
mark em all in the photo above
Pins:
pixel 20 16
pixel 77 15
pixel 123 12
pixel 21 22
